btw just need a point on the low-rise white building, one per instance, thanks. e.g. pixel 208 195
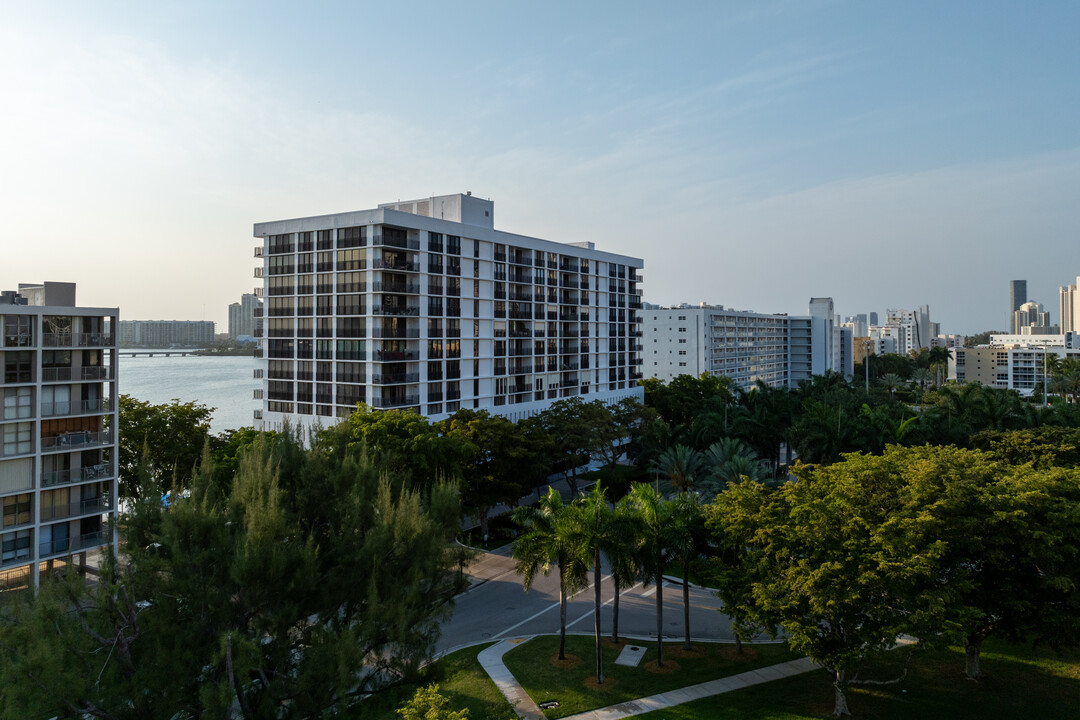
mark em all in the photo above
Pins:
pixel 779 350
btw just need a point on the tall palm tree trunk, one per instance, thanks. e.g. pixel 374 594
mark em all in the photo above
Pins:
pixel 596 618
pixel 615 613
pixel 659 618
pixel 562 607
pixel 562 621
pixel 686 603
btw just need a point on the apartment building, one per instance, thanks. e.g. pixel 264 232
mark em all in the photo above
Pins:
pixel 423 304
pixel 166 333
pixel 1013 362
pixel 744 346
pixel 58 482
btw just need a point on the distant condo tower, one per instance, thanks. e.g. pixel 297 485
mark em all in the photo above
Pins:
pixel 1017 297
pixel 424 305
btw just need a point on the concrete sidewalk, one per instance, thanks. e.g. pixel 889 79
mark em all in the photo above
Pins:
pixel 491 660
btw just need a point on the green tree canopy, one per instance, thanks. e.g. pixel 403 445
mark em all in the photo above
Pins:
pixel 168 437
pixel 238 599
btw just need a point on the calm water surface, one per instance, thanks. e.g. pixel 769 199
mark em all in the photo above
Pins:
pixel 222 383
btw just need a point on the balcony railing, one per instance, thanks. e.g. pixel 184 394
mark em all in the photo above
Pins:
pixel 406 244
pixel 96 372
pixel 395 333
pixel 396 355
pixel 84 407
pixel 399 265
pixel 258 251
pixel 58 339
pixel 395 378
pixel 76 439
pixel 82 542
pixel 79 507
pixel 400 288
pixel 403 311
pixel 393 402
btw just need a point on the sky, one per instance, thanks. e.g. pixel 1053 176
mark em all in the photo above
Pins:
pixel 755 154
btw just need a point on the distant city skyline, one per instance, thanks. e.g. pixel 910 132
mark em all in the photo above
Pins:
pixel 755 154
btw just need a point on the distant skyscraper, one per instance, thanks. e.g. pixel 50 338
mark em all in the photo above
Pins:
pixel 1017 297
pixel 873 318
pixel 242 316
pixel 1070 307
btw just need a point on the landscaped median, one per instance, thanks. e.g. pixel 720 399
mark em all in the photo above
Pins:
pixel 572 682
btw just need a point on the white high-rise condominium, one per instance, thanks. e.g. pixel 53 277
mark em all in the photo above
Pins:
pixel 424 305
pixel 58 458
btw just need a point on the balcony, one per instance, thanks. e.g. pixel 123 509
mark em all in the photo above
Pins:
pixel 258 251
pixel 395 402
pixel 71 545
pixel 395 333
pixel 396 355
pixel 397 265
pixel 258 272
pixel 58 340
pixel 84 407
pixel 72 440
pixel 389 241
pixel 94 506
pixel 395 379
pixel 396 311
pixel 396 287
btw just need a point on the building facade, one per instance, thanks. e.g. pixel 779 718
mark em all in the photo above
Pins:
pixel 745 346
pixel 166 333
pixel 424 305
pixel 58 481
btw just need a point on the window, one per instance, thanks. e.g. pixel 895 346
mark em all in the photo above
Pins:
pixel 17 403
pixel 682 329
pixel 17 438
pixel 15 546
pixel 17 510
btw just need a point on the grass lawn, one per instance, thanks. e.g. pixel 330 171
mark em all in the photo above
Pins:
pixel 1020 683
pixel 573 685
pixel 461 679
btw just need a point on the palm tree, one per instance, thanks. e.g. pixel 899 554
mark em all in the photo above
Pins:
pixel 731 459
pixel 545 542
pixel 891 381
pixel 656 531
pixel 591 532
pixel 688 530
pixel 622 555
pixel 680 464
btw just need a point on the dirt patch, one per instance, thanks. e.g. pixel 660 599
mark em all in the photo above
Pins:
pixel 695 651
pixel 609 644
pixel 727 652
pixel 669 666
pixel 609 682
pixel 571 661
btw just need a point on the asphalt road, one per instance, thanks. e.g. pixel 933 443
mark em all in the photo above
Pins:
pixel 496 607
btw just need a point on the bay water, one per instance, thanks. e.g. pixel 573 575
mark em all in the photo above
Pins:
pixel 225 384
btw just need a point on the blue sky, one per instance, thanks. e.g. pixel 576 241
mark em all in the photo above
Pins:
pixel 755 154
